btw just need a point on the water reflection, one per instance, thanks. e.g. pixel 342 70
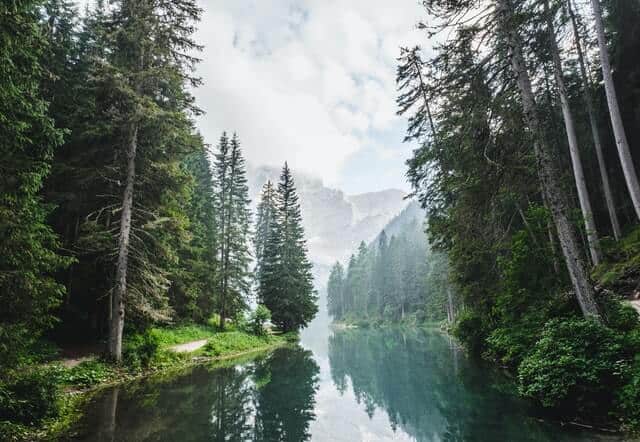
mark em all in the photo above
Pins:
pixel 268 399
pixel 430 391
pixel 356 385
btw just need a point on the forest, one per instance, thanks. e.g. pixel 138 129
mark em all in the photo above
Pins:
pixel 117 222
pixel 527 120
pixel 124 235
pixel 396 278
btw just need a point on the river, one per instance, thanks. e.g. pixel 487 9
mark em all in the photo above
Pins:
pixel 337 385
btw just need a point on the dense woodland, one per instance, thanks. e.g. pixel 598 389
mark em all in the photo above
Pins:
pixel 114 214
pixel 527 119
pixel 395 278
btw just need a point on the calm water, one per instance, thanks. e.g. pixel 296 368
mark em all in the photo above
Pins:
pixel 350 385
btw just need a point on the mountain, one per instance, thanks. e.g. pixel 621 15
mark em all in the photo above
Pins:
pixel 334 222
pixel 399 223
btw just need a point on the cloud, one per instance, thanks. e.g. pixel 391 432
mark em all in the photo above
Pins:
pixel 307 81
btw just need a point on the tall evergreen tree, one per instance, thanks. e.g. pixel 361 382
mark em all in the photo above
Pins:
pixel 232 205
pixel 149 69
pixel 265 223
pixel 28 246
pixel 193 294
pixel 286 280
pixel 335 291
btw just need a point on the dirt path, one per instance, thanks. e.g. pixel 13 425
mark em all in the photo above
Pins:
pixel 188 346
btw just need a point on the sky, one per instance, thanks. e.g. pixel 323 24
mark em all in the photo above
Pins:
pixel 311 82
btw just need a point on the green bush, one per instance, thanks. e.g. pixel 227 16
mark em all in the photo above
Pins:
pixel 469 329
pixel 29 397
pixel 629 398
pixel 620 316
pixel 576 364
pixel 86 374
pixel 258 319
pixel 140 349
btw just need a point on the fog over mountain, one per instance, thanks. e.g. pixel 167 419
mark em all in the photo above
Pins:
pixel 334 223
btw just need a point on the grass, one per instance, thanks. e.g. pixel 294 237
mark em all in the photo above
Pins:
pixel 184 333
pixel 77 384
pixel 86 374
pixel 230 342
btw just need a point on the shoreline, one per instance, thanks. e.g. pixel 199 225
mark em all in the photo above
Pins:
pixel 74 399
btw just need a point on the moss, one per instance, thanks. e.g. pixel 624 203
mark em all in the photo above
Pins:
pixel 620 270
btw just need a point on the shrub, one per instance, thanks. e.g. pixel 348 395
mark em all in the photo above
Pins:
pixel 469 330
pixel 629 398
pixel 140 349
pixel 620 316
pixel 29 397
pixel 576 364
pixel 258 319
pixel 86 374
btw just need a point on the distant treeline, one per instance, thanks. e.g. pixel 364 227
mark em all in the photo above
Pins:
pixel 391 279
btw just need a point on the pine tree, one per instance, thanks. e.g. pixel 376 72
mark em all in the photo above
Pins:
pixel 149 67
pixel 265 223
pixel 335 291
pixel 193 293
pixel 232 205
pixel 624 152
pixel 28 246
pixel 286 280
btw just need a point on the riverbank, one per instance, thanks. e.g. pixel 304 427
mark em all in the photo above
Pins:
pixel 74 384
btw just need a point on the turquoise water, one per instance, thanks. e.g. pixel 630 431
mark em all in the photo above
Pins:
pixel 349 385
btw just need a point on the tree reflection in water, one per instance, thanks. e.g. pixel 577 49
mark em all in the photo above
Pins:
pixel 430 390
pixel 269 399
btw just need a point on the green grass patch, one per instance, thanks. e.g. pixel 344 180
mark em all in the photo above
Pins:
pixel 183 333
pixel 230 342
pixel 86 374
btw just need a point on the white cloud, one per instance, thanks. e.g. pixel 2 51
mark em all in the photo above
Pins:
pixel 305 81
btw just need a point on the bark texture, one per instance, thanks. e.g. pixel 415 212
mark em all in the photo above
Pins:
pixel 547 170
pixel 622 144
pixel 120 290
pixel 595 132
pixel 574 150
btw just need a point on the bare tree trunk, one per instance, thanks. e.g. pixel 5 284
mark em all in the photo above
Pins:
pixel 450 312
pixel 120 290
pixel 578 172
pixel 595 132
pixel 547 170
pixel 614 112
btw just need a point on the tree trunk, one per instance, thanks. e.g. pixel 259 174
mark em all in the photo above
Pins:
pixel 450 312
pixel 120 290
pixel 595 132
pixel 578 172
pixel 614 112
pixel 547 171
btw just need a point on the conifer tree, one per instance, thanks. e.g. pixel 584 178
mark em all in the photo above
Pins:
pixel 232 206
pixel 193 295
pixel 265 223
pixel 28 246
pixel 335 291
pixel 286 281
pixel 149 68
